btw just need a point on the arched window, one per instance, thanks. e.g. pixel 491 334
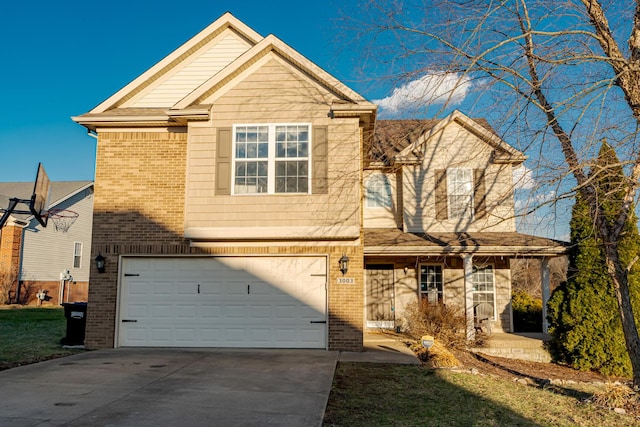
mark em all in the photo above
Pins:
pixel 378 192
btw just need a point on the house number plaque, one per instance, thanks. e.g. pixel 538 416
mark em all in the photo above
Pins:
pixel 346 281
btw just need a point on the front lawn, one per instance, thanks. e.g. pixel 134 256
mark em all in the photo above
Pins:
pixel 367 394
pixel 29 335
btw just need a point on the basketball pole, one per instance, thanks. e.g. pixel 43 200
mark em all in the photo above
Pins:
pixel 13 202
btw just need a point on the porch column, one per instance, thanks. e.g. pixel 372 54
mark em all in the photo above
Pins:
pixel 467 262
pixel 546 280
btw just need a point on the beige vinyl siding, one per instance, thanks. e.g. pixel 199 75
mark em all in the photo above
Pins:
pixel 455 147
pixel 380 217
pixel 274 94
pixel 47 252
pixel 177 84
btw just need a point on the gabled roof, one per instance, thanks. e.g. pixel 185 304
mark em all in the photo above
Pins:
pixel 177 57
pixel 402 140
pixel 59 192
pixel 120 109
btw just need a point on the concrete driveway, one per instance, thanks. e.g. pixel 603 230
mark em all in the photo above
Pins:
pixel 170 387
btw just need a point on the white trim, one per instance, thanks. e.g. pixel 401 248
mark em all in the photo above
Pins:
pixel 225 21
pixel 468 213
pixel 493 276
pixel 272 159
pixel 120 280
pixel 470 125
pixel 268 44
pixel 346 232
pixel 419 274
pixel 380 324
pixel 75 243
pixel 382 180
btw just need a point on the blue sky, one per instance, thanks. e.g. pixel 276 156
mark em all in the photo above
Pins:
pixel 63 58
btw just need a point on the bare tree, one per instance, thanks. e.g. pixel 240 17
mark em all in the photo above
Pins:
pixel 556 76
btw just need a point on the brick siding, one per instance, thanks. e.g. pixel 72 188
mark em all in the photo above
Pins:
pixel 139 210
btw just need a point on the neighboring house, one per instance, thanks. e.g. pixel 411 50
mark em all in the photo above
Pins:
pixel 48 261
pixel 229 205
pixel 439 221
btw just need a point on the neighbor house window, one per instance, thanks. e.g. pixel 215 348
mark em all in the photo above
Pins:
pixel 77 254
pixel 460 192
pixel 271 158
pixel 378 192
pixel 483 292
pixel 431 284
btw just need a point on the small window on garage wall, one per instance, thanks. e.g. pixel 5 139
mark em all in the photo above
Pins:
pixel 77 254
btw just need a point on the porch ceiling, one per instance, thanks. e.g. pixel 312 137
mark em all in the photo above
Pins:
pixel 384 241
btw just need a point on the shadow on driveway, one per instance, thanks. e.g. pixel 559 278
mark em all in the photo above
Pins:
pixel 170 387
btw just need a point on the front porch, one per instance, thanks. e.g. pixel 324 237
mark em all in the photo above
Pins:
pixel 470 271
pixel 521 345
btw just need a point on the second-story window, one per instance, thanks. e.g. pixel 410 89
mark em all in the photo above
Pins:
pixel 460 192
pixel 271 158
pixel 378 192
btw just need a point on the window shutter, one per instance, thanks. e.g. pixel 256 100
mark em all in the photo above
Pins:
pixel 479 193
pixel 319 180
pixel 223 162
pixel 441 194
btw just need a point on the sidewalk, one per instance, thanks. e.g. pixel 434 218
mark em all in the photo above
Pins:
pixel 381 348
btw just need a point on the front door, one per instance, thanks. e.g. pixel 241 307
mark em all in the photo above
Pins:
pixel 380 303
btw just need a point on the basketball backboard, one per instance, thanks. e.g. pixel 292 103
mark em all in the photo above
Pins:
pixel 40 197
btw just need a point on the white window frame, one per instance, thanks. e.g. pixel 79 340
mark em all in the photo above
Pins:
pixel 378 192
pixel 272 159
pixel 77 255
pixel 485 292
pixel 422 294
pixel 454 189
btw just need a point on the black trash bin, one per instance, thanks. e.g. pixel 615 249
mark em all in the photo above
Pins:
pixel 76 314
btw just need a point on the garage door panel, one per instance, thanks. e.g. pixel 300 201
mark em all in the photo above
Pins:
pixel 210 288
pixel 185 336
pixel 188 312
pixel 261 311
pixel 139 288
pixel 159 312
pixel 162 288
pixel 210 312
pixel 224 302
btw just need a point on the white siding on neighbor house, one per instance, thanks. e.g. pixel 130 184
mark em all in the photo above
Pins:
pixel 177 84
pixel 47 252
pixel 380 217
pixel 456 147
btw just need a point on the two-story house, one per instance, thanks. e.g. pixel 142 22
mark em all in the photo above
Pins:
pixel 227 192
pixel 229 207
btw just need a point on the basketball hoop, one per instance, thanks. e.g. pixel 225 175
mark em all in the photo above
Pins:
pixel 62 219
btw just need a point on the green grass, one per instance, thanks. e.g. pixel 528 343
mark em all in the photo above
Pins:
pixel 366 394
pixel 29 335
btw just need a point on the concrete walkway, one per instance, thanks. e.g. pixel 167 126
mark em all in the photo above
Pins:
pixel 380 347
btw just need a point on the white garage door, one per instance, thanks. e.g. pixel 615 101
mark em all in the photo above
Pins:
pixel 269 302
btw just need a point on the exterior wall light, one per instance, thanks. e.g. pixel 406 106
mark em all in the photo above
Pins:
pixel 100 263
pixel 344 264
